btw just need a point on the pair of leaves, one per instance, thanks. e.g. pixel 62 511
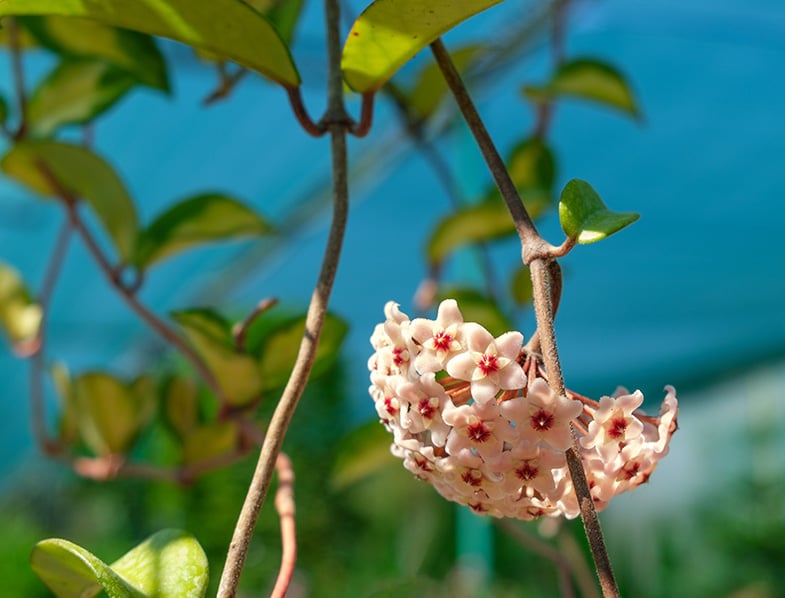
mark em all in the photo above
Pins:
pixel 169 564
pixel 229 29
pixel 51 167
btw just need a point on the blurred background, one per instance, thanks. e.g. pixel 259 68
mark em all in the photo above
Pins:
pixel 691 295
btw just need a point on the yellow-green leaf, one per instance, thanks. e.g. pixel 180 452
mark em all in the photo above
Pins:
pixel 228 28
pixel 107 413
pixel 181 405
pixel 82 173
pixel 390 32
pixel 584 216
pixel 362 452
pixel 20 315
pixel 210 441
pixel 521 286
pixel 201 219
pixel 75 92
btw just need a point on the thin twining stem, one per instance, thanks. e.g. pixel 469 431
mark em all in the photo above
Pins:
pixel 537 254
pixel 337 122
pixel 111 274
pixel 284 504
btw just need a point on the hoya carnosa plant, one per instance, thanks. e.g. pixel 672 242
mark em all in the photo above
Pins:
pixel 474 416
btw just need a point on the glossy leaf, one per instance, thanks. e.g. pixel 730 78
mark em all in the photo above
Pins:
pixel 589 80
pixel 181 405
pixel 20 315
pixel 169 564
pixel 201 219
pixel 210 441
pixel 521 286
pixel 284 14
pixel 135 54
pixel 107 414
pixel 237 374
pixel 390 32
pixel 584 216
pixel 75 92
pixel 279 349
pixel 228 28
pixel 476 307
pixel 362 452
pixel 84 174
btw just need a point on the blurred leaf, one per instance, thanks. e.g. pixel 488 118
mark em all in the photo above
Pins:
pixel 585 218
pixel 476 307
pixel 75 92
pixel 531 165
pixel 145 391
pixel 231 29
pixel 169 564
pixel 181 404
pixel 282 13
pixel 20 316
pixel 200 219
pixel 236 373
pixel 85 175
pixel 521 286
pixel 210 441
pixel 484 221
pixel 107 411
pixel 280 348
pixel 69 412
pixel 390 32
pixel 589 80
pixel 3 109
pixel 430 87
pixel 362 452
pixel 70 571
pixel 134 53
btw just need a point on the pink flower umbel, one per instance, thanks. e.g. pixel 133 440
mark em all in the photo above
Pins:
pixel 466 418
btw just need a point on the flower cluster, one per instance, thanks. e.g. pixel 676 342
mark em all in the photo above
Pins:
pixel 474 416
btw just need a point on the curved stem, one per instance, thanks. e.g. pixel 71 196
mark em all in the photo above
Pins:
pixel 337 122
pixel 284 504
pixel 301 113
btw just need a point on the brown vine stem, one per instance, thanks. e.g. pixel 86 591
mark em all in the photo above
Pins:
pixel 337 122
pixel 538 255
pixel 284 504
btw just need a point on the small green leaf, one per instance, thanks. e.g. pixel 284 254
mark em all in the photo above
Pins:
pixel 521 286
pixel 585 218
pixel 362 452
pixel 108 413
pixel 237 374
pixel 476 307
pixel 83 174
pixel 133 53
pixel 280 347
pixel 169 564
pixel 204 218
pixel 589 80
pixel 390 32
pixel 75 92
pixel 231 29
pixel 68 429
pixel 70 571
pixel 531 165
pixel 181 404
pixel 20 315
pixel 210 441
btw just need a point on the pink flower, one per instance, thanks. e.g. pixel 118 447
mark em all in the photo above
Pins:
pixel 614 424
pixel 440 339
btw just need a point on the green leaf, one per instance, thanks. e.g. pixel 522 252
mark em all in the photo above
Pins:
pixel 531 165
pixel 484 221
pixel 181 405
pixel 279 349
pixel 521 286
pixel 231 29
pixel 237 374
pixel 75 92
pixel 68 427
pixel 201 219
pixel 362 452
pixel 210 441
pixel 476 307
pixel 107 411
pixel 20 315
pixel 70 571
pixel 585 218
pixel 3 109
pixel 83 174
pixel 282 13
pixel 390 32
pixel 589 80
pixel 169 564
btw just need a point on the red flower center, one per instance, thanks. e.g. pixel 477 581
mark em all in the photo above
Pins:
pixel 426 409
pixel 617 428
pixel 488 364
pixel 542 420
pixel 478 432
pixel 527 471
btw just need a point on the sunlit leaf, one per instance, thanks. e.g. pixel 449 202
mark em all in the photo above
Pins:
pixel 237 374
pixel 83 174
pixel 201 219
pixel 169 564
pixel 75 92
pixel 181 404
pixel 107 413
pixel 210 441
pixel 389 32
pixel 282 13
pixel 134 53
pixel 279 349
pixel 585 218
pixel 362 452
pixel 231 29
pixel 20 315
pixel 477 307
pixel 589 80
pixel 521 286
